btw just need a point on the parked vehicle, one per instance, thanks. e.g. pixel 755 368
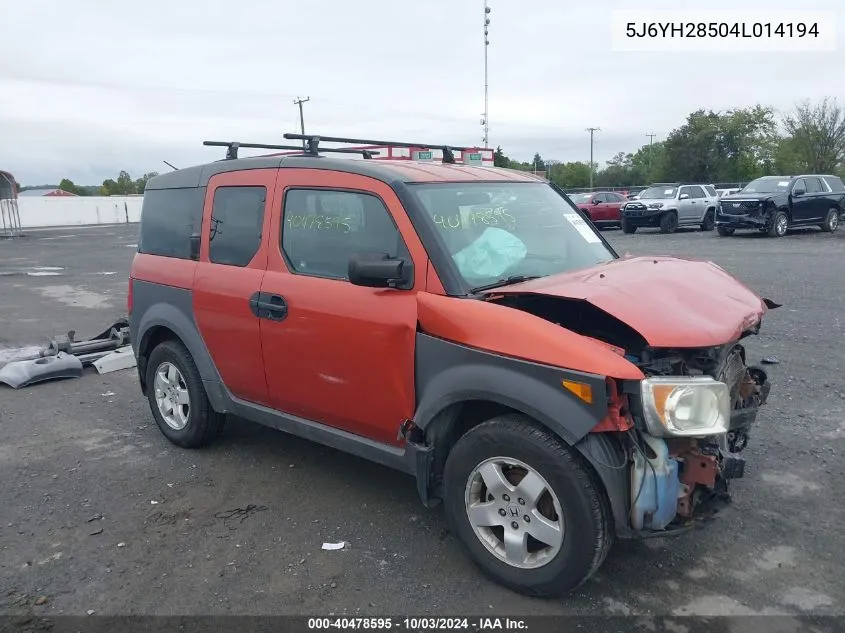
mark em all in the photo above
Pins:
pixel 670 206
pixel 602 207
pixel 729 191
pixel 774 204
pixel 552 395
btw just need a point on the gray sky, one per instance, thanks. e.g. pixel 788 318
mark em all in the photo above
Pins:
pixel 91 87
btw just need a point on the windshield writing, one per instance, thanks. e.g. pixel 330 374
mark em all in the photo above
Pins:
pixel 494 231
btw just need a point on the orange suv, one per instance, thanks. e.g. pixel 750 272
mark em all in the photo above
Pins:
pixel 465 325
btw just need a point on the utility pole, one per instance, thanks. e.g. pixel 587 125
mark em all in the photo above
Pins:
pixel 650 149
pixel 591 130
pixel 299 102
pixel 484 119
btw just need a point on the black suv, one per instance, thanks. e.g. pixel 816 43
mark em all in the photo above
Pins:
pixel 774 204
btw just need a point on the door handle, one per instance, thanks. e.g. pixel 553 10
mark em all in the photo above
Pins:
pixel 268 306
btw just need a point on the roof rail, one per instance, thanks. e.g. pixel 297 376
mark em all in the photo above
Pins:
pixel 232 148
pixel 314 142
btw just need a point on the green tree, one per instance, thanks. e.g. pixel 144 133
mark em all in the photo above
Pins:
pixel 538 163
pixel 817 136
pixel 499 158
pixel 141 183
pixel 66 184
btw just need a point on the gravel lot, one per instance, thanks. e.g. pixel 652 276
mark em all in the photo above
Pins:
pixel 238 528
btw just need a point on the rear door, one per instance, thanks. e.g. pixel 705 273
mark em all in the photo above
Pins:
pixel 614 203
pixel 339 354
pixel 233 258
pixel 817 192
pixel 802 204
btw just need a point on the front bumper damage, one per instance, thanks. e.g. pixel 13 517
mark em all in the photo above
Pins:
pixel 757 221
pixel 642 217
pixel 677 484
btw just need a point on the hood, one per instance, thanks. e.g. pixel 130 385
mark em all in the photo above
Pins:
pixel 670 302
pixel 738 197
pixel 648 201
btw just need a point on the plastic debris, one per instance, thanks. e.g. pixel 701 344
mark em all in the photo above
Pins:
pixel 334 546
pixel 770 360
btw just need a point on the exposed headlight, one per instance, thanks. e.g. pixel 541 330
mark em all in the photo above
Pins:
pixel 685 406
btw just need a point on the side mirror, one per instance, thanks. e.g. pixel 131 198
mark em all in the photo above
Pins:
pixel 376 270
pixel 798 192
pixel 194 242
pixel 684 196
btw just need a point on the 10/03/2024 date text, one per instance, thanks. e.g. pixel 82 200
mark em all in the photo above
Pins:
pixel 417 624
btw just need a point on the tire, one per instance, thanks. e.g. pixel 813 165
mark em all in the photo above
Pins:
pixel 779 225
pixel 723 231
pixel 709 220
pixel 201 424
pixel 669 222
pixel 627 227
pixel 586 532
pixel 831 221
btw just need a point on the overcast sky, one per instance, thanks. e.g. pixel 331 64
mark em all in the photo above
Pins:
pixel 90 87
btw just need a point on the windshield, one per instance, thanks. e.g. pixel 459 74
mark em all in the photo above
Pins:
pixel 580 198
pixel 529 230
pixel 769 184
pixel 658 193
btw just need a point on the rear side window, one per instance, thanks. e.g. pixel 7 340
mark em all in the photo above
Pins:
pixel 711 191
pixel 322 229
pixel 168 219
pixel 237 218
pixel 835 183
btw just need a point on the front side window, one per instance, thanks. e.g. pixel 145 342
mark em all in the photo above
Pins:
pixel 322 229
pixel 237 218
pixel 493 231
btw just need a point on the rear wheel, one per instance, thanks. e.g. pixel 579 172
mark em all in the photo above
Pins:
pixel 669 222
pixel 627 227
pixel 724 231
pixel 526 507
pixel 709 220
pixel 831 221
pixel 779 225
pixel 177 397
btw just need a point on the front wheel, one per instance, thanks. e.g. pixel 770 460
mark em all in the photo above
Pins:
pixel 527 508
pixel 831 221
pixel 779 225
pixel 709 220
pixel 669 222
pixel 627 227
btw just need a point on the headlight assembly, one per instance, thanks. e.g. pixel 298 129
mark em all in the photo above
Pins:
pixel 685 406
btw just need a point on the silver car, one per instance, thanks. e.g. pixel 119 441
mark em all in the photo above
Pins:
pixel 670 206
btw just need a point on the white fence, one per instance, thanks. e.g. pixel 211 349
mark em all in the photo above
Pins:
pixel 78 211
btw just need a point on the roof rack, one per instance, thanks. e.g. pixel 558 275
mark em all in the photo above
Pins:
pixel 232 148
pixel 313 142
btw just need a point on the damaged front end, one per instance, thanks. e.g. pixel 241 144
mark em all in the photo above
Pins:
pixel 693 416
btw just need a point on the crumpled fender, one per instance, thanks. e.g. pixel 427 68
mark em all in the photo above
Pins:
pixel 501 330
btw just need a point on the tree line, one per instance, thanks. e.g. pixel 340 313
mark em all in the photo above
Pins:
pixel 717 147
pixel 123 185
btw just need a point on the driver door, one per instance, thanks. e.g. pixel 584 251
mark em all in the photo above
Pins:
pixel 334 353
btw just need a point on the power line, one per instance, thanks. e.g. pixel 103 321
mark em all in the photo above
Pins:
pixel 299 102
pixel 591 130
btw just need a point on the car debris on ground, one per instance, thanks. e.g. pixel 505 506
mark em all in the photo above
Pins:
pixel 65 357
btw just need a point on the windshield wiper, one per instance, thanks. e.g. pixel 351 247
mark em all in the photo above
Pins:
pixel 507 281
